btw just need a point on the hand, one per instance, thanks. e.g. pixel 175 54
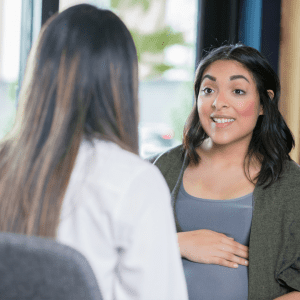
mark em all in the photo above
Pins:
pixel 210 247
pixel 289 296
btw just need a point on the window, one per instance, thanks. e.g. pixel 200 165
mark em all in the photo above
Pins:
pixel 164 32
pixel 10 32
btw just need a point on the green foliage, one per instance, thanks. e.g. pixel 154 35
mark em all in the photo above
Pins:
pixel 153 43
pixel 8 118
pixel 180 113
pixel 7 125
pixel 130 3
pixel 12 91
pixel 156 42
pixel 161 68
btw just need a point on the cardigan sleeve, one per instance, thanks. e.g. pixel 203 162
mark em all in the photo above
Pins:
pixel 289 272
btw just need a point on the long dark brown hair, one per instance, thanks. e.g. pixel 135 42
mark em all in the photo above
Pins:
pixel 272 140
pixel 81 81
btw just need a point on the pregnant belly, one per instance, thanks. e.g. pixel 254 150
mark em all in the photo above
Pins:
pixel 215 282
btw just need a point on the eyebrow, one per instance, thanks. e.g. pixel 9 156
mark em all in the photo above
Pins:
pixel 209 77
pixel 233 77
pixel 238 77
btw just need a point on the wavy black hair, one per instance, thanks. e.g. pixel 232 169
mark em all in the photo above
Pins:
pixel 272 140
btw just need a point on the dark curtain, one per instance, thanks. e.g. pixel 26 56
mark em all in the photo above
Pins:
pixel 255 23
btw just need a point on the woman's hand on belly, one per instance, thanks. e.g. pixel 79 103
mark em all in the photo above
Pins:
pixel 210 247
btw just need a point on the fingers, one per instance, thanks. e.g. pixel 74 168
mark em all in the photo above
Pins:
pixel 234 259
pixel 234 252
pixel 223 262
pixel 236 248
pixel 228 260
pixel 209 247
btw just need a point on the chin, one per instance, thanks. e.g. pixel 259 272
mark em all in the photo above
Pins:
pixel 224 141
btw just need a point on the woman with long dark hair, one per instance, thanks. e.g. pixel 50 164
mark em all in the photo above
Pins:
pixel 69 169
pixel 235 190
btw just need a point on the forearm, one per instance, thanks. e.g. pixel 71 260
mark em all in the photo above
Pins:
pixel 290 296
pixel 180 243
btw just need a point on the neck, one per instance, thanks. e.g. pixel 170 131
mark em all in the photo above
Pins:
pixel 223 155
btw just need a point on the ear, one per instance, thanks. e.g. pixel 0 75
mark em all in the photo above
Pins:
pixel 261 110
pixel 271 94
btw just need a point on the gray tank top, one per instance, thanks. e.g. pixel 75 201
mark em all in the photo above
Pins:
pixel 233 218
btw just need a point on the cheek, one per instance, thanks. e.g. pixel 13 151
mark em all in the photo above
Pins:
pixel 248 109
pixel 203 107
pixel 199 104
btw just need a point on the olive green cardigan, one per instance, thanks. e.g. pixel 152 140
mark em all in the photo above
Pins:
pixel 274 247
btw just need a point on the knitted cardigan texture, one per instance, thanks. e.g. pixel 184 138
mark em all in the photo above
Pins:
pixel 274 247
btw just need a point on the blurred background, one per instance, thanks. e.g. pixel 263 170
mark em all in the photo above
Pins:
pixel 171 36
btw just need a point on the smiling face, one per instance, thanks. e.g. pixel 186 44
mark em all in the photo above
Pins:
pixel 228 102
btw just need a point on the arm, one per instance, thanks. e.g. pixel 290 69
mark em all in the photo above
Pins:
pixel 290 296
pixel 150 266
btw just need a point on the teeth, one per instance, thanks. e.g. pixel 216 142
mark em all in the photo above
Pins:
pixel 217 120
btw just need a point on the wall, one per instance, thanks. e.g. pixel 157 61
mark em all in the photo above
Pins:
pixel 290 69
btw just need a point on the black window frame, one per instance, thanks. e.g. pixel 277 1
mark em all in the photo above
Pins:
pixel 34 14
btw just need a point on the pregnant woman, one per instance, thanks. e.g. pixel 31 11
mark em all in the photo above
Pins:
pixel 235 190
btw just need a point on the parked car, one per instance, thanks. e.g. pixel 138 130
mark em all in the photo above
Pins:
pixel 155 138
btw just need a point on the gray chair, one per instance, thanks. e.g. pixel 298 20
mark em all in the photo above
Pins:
pixel 35 268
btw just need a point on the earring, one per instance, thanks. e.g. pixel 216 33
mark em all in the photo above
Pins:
pixel 207 144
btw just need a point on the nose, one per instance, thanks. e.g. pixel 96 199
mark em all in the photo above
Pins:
pixel 220 101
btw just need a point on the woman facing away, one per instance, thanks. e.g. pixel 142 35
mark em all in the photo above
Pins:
pixel 69 168
pixel 234 185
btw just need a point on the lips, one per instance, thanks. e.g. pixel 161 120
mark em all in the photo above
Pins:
pixel 222 121
pixel 221 116
pixel 222 125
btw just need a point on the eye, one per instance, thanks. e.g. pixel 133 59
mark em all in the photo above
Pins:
pixel 239 92
pixel 207 91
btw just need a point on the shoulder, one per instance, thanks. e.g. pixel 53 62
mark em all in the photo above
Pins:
pixel 119 166
pixel 107 177
pixel 286 190
pixel 132 187
pixel 290 181
pixel 170 164
pixel 292 168
pixel 170 159
pixel 290 178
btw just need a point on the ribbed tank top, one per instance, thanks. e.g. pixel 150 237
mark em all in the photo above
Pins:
pixel 231 217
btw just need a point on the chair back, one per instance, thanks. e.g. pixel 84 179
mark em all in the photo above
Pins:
pixel 35 268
